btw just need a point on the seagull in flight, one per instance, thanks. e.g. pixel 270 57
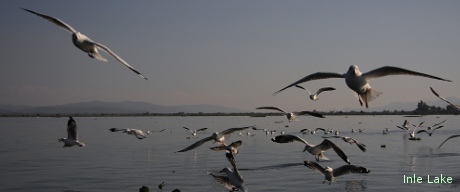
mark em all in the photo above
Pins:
pixel 72 135
pixel 217 137
pixel 292 115
pixel 442 98
pixel 331 174
pixel 350 141
pixel 234 180
pixel 314 97
pixel 84 43
pixel 430 133
pixel 232 148
pixel 358 81
pixel 195 131
pixel 136 132
pixel 316 150
pixel 453 136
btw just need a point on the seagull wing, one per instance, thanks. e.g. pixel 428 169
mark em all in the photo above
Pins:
pixel 117 129
pixel 288 139
pixel 139 134
pixel 202 129
pixel 310 113
pixel 453 136
pixel 320 129
pixel 439 123
pixel 388 70
pixel 231 130
pixel 224 181
pixel 360 145
pixel 272 108
pixel 324 89
pixel 315 166
pixel 347 169
pixel 314 76
pixel 300 87
pixel 303 130
pixel 56 21
pixel 327 144
pixel 442 98
pixel 236 144
pixel 188 129
pixel 72 129
pixel 110 52
pixel 423 131
pixel 197 144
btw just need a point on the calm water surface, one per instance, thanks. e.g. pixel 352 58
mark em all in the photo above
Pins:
pixel 31 159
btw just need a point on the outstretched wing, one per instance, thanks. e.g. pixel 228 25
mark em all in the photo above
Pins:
pixel 288 139
pixel 327 144
pixel 56 21
pixel 442 98
pixel 325 89
pixel 300 87
pixel 314 76
pixel 196 144
pixel 224 181
pixel 453 136
pixel 231 130
pixel 202 129
pixel 389 70
pixel 310 113
pixel 72 129
pixel 272 108
pixel 314 166
pixel 110 52
pixel 117 129
pixel 347 169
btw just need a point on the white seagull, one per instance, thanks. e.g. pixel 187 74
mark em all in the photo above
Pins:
pixel 316 150
pixel 84 43
pixel 314 97
pixel 350 141
pixel 358 82
pixel 331 174
pixel 136 132
pixel 292 115
pixel 234 180
pixel 217 137
pixel 442 98
pixel 195 131
pixel 72 135
pixel 453 136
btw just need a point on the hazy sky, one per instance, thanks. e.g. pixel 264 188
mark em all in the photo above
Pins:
pixel 229 53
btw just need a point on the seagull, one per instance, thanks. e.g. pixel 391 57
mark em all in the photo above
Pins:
pixel 386 130
pixel 412 134
pixel 350 141
pixel 72 135
pixel 314 97
pixel 316 150
pixel 405 125
pixel 437 124
pixel 291 116
pixel 84 43
pixel 234 180
pixel 218 137
pixel 136 132
pixel 232 148
pixel 358 82
pixel 442 98
pixel 453 136
pixel 314 131
pixel 331 174
pixel 304 131
pixel 430 133
pixel 195 131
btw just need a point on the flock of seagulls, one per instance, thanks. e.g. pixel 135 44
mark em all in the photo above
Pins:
pixel 357 81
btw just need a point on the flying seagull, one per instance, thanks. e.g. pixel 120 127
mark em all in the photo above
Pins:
pixel 72 135
pixel 232 148
pixel 84 43
pixel 350 141
pixel 136 132
pixel 442 98
pixel 234 180
pixel 358 82
pixel 434 125
pixel 195 131
pixel 430 133
pixel 453 136
pixel 314 97
pixel 316 150
pixel 218 137
pixel 405 125
pixel 331 174
pixel 291 116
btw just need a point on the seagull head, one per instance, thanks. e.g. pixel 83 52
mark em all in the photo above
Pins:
pixel 328 169
pixel 354 70
pixel 61 140
pixel 225 170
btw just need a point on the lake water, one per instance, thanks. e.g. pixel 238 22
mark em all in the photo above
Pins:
pixel 31 158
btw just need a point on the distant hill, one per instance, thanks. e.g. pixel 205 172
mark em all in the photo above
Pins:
pixel 124 107
pixel 407 106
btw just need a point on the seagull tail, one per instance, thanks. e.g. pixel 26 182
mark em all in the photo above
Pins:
pixel 80 144
pixel 97 56
pixel 369 95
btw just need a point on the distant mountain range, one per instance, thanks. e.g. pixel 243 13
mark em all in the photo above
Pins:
pixel 102 107
pixel 407 106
